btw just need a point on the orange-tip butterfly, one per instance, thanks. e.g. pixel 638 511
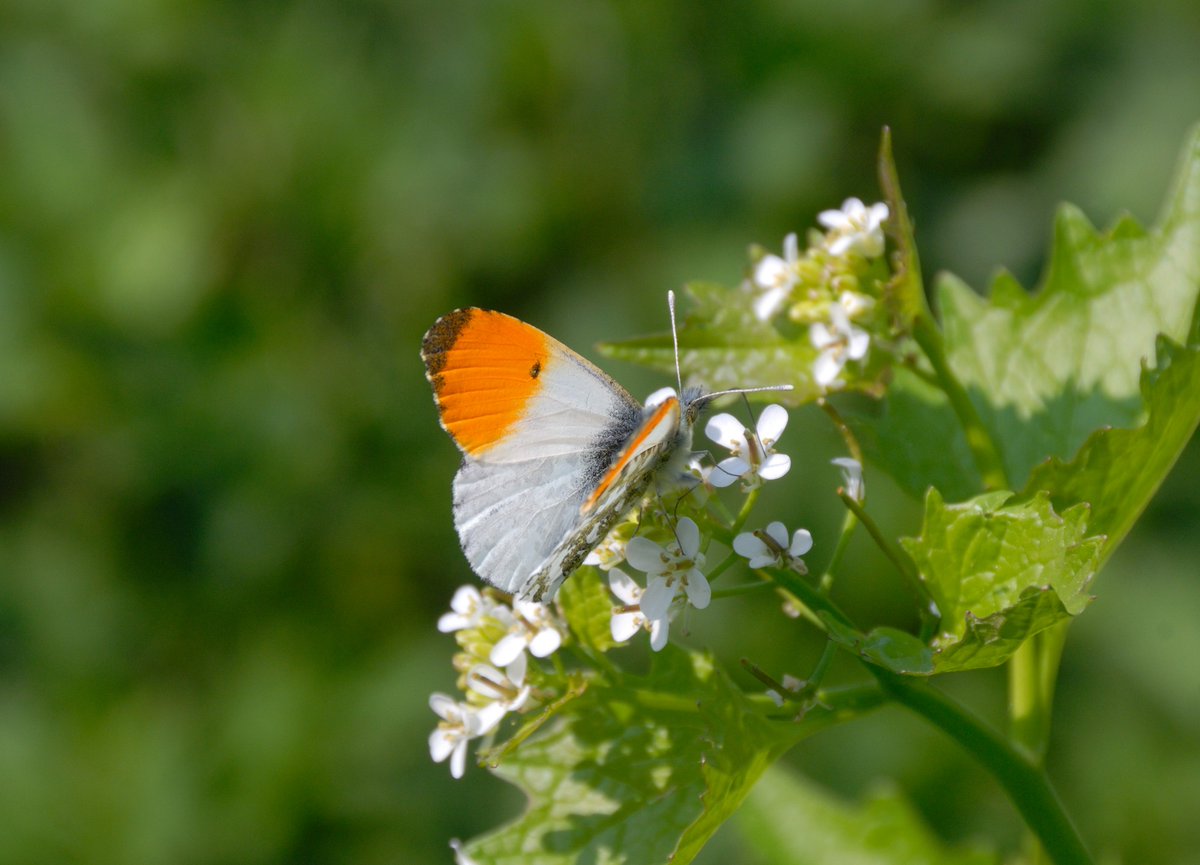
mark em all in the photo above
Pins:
pixel 554 451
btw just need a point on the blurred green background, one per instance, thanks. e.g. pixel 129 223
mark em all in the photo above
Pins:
pixel 224 497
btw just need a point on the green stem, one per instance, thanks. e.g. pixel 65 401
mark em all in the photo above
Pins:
pixel 983 449
pixel 744 513
pixel 849 524
pixel 1021 777
pixel 1032 674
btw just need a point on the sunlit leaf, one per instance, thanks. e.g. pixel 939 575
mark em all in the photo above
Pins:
pixel 1046 369
pixel 1119 470
pixel 998 572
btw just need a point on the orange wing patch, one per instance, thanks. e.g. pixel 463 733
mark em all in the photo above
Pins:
pixel 664 411
pixel 485 367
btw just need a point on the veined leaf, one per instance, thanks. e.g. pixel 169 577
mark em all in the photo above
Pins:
pixel 643 773
pixel 724 346
pixel 1119 470
pixel 1046 370
pixel 999 573
pixel 587 606
pixel 789 819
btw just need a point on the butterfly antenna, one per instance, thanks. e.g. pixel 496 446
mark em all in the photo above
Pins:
pixel 675 340
pixel 749 390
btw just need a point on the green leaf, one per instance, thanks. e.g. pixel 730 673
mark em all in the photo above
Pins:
pixel 724 345
pixel 643 772
pixel 904 294
pixel 999 573
pixel 1119 470
pixel 789 819
pixel 1045 370
pixel 587 606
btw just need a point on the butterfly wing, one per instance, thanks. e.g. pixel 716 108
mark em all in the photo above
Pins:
pixel 541 430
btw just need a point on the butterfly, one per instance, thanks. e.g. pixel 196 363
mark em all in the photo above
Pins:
pixel 554 451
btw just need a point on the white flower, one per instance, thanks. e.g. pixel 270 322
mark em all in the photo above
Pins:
pixel 855 228
pixel 852 478
pixel 507 689
pixel 460 724
pixel 776 277
pixel 534 628
pixel 630 618
pixel 668 570
pixel 836 345
pixel 753 455
pixel 770 546
pixel 468 609
pixel 856 303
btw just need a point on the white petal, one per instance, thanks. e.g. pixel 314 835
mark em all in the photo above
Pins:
pixel 687 533
pixel 506 651
pixel 449 622
pixel 727 471
pixel 771 272
pixel 802 542
pixel 775 467
pixel 762 561
pixel 750 545
pixel 699 593
pixel 656 600
pixel 767 304
pixel 853 207
pixel 820 335
pixel 860 341
pixel 545 643
pixel 776 697
pixel 466 600
pixel 518 701
pixel 839 319
pixel 458 762
pixel 516 670
pixel 833 219
pixel 487 681
pixel 777 531
pixel 791 247
pixel 445 707
pixel 878 213
pixel 486 719
pixel 827 367
pixel 623 586
pixel 841 244
pixel 771 424
pixel 645 555
pixel 659 629
pixel 852 478
pixel 855 304
pixel 726 430
pixel 625 625
pixel 441 743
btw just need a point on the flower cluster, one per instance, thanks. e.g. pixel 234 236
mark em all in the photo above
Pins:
pixel 831 286
pixel 496 639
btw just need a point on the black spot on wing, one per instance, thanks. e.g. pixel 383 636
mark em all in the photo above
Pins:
pixel 536 370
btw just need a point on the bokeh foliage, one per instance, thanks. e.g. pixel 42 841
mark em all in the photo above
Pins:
pixel 224 499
